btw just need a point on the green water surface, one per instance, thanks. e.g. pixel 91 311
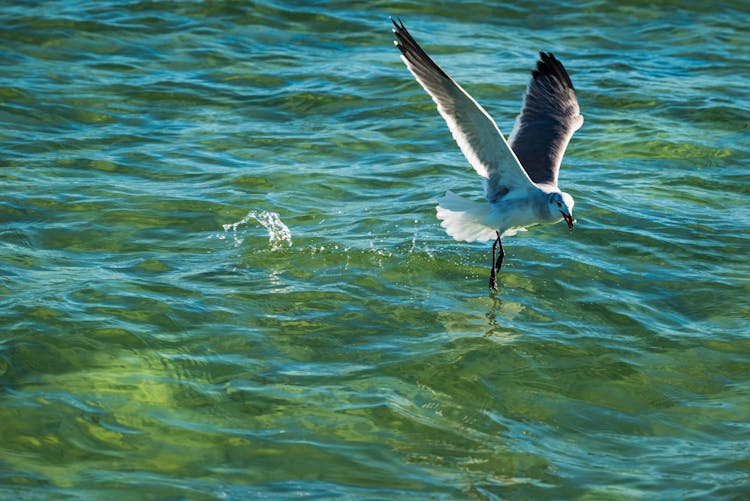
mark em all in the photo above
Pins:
pixel 222 277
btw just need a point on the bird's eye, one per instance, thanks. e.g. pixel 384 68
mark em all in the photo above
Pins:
pixel 559 205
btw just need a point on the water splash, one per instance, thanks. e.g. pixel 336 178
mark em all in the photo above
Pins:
pixel 279 235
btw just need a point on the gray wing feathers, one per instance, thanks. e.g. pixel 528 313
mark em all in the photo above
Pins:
pixel 549 117
pixel 473 129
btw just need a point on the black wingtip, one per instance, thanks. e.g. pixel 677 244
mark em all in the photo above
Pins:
pixel 548 65
pixel 399 30
pixel 412 52
pixel 403 37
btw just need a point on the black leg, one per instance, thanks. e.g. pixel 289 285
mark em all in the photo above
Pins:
pixel 499 261
pixel 496 263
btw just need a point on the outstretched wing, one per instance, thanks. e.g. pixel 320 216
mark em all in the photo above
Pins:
pixel 549 117
pixel 473 129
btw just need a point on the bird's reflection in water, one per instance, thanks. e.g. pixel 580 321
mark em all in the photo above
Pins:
pixel 500 314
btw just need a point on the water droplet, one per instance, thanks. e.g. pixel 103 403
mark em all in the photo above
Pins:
pixel 279 235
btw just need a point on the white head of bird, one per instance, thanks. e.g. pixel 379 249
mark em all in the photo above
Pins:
pixel 561 204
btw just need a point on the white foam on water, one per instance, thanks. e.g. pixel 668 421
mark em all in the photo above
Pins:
pixel 279 235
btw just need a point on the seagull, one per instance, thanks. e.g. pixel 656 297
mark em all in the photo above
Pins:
pixel 520 174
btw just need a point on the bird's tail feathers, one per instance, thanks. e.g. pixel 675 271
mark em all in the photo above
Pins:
pixel 462 218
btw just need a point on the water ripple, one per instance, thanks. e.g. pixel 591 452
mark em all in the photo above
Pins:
pixel 162 335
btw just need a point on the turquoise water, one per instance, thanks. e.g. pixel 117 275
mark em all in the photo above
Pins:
pixel 222 276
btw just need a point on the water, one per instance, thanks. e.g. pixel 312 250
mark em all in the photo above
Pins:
pixel 222 276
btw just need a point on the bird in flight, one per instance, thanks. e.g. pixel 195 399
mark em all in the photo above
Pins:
pixel 520 174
